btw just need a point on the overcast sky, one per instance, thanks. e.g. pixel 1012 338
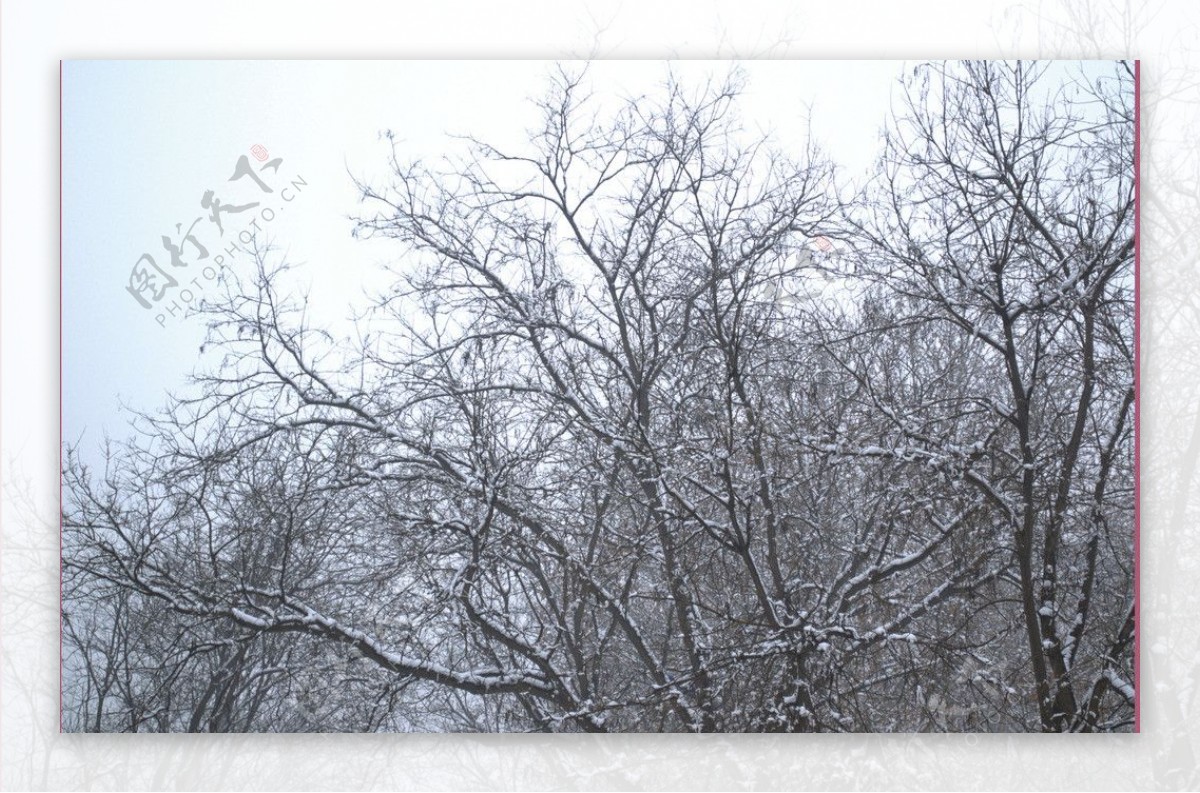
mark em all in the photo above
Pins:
pixel 143 141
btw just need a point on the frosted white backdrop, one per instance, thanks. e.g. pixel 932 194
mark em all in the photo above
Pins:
pixel 36 34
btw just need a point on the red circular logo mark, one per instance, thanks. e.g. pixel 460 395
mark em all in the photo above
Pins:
pixel 259 151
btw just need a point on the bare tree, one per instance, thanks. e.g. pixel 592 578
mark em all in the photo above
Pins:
pixel 1003 215
pixel 607 456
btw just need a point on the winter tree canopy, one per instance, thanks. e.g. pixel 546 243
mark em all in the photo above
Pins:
pixel 658 426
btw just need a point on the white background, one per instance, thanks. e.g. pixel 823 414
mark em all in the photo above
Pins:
pixel 35 35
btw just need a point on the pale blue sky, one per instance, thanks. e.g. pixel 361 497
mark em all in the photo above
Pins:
pixel 143 140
